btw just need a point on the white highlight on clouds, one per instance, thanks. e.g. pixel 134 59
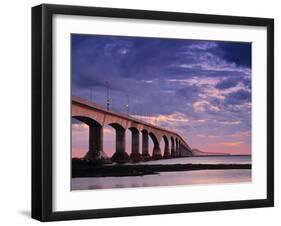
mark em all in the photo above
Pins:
pixel 215 67
pixel 208 61
pixel 173 118
pixel 204 105
pixel 230 122
pixel 239 86
pixel 245 106
pixel 123 51
pixel 201 121
pixel 147 81
pixel 212 92
pixel 195 80
pixel 203 45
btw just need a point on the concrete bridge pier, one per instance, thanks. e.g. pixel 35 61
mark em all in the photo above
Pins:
pixel 166 148
pixel 135 155
pixel 95 143
pixel 173 150
pixel 145 152
pixel 177 148
pixel 187 151
pixel 120 155
pixel 180 149
pixel 156 153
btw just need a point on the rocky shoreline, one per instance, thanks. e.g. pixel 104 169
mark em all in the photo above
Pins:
pixel 81 169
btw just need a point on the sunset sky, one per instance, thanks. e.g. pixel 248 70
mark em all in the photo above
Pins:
pixel 200 89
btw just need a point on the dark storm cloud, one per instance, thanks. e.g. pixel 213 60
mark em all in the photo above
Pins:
pixel 238 97
pixel 227 83
pixel 233 52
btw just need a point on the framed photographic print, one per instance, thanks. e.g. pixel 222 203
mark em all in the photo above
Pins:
pixel 145 112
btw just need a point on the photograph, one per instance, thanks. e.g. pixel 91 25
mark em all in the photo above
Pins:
pixel 153 111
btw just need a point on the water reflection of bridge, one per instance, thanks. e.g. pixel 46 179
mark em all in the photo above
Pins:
pixel 97 116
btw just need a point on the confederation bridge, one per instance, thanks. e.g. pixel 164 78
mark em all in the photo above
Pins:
pixel 97 116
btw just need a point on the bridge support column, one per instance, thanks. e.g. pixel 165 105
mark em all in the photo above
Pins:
pixel 120 140
pixel 120 155
pixel 156 154
pixel 180 149
pixel 135 155
pixel 95 152
pixel 95 141
pixel 145 152
pixel 188 152
pixel 177 148
pixel 173 150
pixel 184 151
pixel 166 151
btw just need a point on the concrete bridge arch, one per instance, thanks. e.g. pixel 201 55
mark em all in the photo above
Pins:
pixel 95 137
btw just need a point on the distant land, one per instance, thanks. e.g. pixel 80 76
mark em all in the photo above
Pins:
pixel 197 152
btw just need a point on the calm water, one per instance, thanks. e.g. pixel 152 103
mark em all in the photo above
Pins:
pixel 203 160
pixel 173 178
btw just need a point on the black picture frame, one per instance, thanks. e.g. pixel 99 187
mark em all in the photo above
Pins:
pixel 42 107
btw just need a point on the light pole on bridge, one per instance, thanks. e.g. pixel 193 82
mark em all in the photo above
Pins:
pixel 91 93
pixel 128 104
pixel 107 100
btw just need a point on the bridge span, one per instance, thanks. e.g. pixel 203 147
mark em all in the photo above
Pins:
pixel 97 116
